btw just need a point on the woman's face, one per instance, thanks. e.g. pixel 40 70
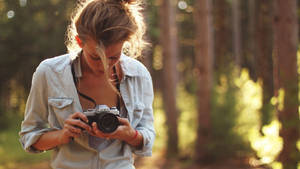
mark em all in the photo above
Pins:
pixel 92 59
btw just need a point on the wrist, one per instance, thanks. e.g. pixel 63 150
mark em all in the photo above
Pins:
pixel 136 139
pixel 133 136
pixel 62 138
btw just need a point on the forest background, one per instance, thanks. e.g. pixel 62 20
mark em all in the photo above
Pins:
pixel 225 74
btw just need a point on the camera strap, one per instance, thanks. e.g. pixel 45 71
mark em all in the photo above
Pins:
pixel 118 87
pixel 75 79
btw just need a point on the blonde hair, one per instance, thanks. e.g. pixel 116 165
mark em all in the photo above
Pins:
pixel 108 22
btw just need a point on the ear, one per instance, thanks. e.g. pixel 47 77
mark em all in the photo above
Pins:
pixel 78 40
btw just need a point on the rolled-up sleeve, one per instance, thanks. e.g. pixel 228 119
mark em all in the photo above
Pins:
pixel 36 112
pixel 146 125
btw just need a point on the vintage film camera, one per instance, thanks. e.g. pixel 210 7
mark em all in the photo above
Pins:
pixel 105 117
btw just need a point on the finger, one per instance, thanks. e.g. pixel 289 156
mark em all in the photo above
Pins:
pixel 78 123
pixel 73 129
pixel 80 115
pixel 124 121
pixel 97 131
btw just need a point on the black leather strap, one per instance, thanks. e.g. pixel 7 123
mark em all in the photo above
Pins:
pixel 118 87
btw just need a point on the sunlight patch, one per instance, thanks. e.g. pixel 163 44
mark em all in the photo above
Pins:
pixel 268 146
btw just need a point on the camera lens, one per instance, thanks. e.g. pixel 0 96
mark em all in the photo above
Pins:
pixel 107 122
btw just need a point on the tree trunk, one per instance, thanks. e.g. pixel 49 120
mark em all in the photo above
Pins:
pixel 251 47
pixel 204 67
pixel 222 34
pixel 169 73
pixel 264 46
pixel 237 38
pixel 286 43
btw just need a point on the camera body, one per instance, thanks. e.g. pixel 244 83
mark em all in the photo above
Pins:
pixel 105 117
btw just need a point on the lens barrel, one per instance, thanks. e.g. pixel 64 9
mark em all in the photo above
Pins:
pixel 107 122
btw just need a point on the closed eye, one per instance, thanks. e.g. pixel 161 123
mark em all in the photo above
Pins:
pixel 114 57
pixel 94 57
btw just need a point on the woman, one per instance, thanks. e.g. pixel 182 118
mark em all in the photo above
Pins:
pixel 64 87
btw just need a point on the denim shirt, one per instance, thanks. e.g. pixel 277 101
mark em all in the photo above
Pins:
pixel 53 97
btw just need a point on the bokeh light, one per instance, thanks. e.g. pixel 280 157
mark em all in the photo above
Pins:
pixel 182 5
pixel 23 3
pixel 10 14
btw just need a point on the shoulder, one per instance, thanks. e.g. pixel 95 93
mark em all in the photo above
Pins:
pixel 133 67
pixel 56 64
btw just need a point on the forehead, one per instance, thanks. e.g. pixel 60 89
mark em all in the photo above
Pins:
pixel 111 50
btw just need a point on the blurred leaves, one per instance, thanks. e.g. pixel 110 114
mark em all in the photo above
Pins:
pixel 35 32
pixel 30 31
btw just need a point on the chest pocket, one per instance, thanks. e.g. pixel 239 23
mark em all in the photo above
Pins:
pixel 59 110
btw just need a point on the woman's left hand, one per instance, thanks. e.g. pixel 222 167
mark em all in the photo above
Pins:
pixel 124 131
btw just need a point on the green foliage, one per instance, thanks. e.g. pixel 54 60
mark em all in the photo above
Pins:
pixel 187 122
pixel 227 125
pixel 159 123
pixel 235 108
pixel 4 122
pixel 152 21
pixel 30 32
pixel 11 150
pixel 186 43
pixel 225 113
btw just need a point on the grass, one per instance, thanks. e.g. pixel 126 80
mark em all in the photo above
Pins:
pixel 11 150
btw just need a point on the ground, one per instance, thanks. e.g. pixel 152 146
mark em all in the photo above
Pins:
pixel 157 161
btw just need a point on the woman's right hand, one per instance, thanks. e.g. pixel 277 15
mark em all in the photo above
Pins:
pixel 73 126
